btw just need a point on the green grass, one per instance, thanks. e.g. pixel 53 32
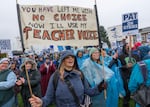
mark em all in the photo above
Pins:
pixel 132 104
pixel 20 102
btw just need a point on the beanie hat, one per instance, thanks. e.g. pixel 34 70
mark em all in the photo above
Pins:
pixel 92 50
pixel 137 44
pixel 4 59
pixel 66 53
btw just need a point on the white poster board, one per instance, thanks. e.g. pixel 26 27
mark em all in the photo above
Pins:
pixel 44 25
pixel 130 23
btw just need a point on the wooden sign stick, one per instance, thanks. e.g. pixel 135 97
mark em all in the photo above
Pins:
pixel 28 80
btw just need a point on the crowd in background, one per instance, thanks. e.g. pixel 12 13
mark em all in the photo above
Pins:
pixel 99 66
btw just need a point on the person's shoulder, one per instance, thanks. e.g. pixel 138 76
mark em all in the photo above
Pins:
pixel 8 71
pixel 11 73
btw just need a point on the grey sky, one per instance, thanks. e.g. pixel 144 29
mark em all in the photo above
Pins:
pixel 109 11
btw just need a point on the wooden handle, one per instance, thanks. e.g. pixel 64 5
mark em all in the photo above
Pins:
pixel 28 80
pixel 105 94
pixel 102 54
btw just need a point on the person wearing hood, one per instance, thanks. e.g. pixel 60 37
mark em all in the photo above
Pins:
pixel 139 77
pixel 61 95
pixel 95 73
pixel 7 82
pixel 144 52
pixel 105 57
pixel 80 57
pixel 34 76
pixel 127 62
pixel 147 56
pixel 114 65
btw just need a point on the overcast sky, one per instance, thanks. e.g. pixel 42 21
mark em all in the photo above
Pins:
pixel 109 11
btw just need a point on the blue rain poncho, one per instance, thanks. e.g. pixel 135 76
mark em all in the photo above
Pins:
pixel 94 73
pixel 136 77
pixel 107 59
pixel 80 60
pixel 118 77
pixel 119 84
pixel 143 51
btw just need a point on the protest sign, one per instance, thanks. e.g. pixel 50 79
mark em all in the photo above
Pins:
pixel 44 25
pixel 130 24
pixel 5 45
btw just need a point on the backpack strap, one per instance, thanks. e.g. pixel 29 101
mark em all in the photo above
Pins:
pixel 70 87
pixel 55 79
pixel 143 70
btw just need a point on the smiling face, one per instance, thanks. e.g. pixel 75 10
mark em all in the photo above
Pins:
pixel 4 65
pixel 95 55
pixel 69 61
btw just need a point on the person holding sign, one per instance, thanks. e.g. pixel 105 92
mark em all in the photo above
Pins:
pixel 60 92
pixel 34 76
pixel 95 72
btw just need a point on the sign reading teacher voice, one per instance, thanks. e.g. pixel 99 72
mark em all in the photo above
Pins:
pixel 44 25
pixel 130 23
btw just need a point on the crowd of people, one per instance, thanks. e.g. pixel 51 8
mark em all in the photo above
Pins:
pixel 104 75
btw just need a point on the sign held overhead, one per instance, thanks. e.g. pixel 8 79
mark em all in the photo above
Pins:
pixel 130 23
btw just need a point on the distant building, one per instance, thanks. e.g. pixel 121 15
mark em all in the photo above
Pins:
pixel 145 34
pixel 117 38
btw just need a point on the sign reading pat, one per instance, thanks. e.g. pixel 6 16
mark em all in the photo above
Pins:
pixel 130 23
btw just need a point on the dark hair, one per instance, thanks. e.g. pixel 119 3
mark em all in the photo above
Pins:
pixel 124 48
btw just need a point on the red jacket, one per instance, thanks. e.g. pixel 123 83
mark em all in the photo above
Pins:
pixel 45 76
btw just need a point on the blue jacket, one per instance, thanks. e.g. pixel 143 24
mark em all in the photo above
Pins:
pixel 94 74
pixel 7 81
pixel 62 95
pixel 136 78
